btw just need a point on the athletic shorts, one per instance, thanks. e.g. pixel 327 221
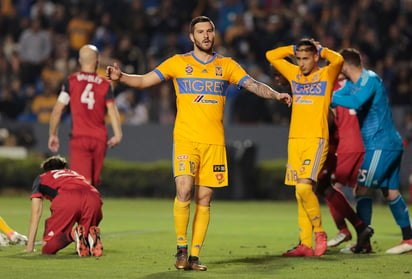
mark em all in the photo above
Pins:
pixel 380 169
pixel 347 168
pixel 207 163
pixel 306 157
pixel 70 207
pixel 86 157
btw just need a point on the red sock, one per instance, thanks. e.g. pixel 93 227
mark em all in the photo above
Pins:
pixel 345 211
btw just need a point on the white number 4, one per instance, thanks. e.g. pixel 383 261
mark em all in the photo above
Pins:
pixel 88 96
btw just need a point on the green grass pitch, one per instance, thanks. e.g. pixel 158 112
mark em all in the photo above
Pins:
pixel 245 240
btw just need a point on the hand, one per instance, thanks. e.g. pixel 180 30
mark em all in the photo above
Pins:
pixel 29 250
pixel 112 142
pixel 54 143
pixel 113 72
pixel 317 44
pixel 285 98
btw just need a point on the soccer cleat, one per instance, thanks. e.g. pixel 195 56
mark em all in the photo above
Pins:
pixel 363 240
pixel 403 247
pixel 4 241
pixel 18 239
pixel 95 242
pixel 181 258
pixel 82 247
pixel 194 264
pixel 339 239
pixel 350 249
pixel 321 240
pixel 299 251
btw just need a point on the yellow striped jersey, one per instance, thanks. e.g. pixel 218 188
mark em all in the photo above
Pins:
pixel 200 94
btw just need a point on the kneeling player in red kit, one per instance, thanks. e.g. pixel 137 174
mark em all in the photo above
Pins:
pixel 73 201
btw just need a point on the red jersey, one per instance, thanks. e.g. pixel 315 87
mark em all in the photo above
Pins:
pixel 89 93
pixel 347 127
pixel 49 184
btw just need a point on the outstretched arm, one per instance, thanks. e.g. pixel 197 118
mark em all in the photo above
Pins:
pixel 55 118
pixel 137 81
pixel 264 91
pixel 115 121
pixel 36 212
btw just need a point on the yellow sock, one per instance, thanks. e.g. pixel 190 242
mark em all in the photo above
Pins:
pixel 305 225
pixel 200 225
pixel 181 213
pixel 5 228
pixel 311 205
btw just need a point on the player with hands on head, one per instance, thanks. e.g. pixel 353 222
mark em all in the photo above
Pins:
pixel 312 87
pixel 200 78
pixel 89 97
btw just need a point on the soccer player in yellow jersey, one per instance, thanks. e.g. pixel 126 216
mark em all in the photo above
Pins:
pixel 312 87
pixel 200 78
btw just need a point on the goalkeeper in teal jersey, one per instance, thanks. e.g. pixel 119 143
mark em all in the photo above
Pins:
pixel 366 93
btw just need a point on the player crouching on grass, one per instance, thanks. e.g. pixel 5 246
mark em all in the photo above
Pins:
pixel 73 200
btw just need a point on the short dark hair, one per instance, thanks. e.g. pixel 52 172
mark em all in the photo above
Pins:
pixel 306 45
pixel 198 19
pixel 54 163
pixel 351 56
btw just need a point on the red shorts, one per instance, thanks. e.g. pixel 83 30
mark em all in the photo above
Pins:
pixel 347 168
pixel 67 209
pixel 87 157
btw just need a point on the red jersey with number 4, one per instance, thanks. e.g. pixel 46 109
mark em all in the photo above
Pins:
pixel 89 93
pixel 49 184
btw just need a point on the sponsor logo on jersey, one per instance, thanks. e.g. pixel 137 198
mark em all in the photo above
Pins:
pixel 201 99
pixel 300 100
pixel 306 162
pixel 204 71
pixel 202 86
pixel 218 71
pixel 189 69
pixel 182 157
pixel 219 168
pixel 182 166
pixel 309 89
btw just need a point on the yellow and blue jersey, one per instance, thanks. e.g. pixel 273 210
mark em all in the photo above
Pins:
pixel 311 94
pixel 200 94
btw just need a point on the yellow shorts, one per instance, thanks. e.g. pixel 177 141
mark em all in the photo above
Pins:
pixel 306 157
pixel 207 163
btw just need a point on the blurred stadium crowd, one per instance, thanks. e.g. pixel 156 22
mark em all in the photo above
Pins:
pixel 39 41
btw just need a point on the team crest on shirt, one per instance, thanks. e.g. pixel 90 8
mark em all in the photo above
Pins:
pixel 218 71
pixel 219 177
pixel 315 77
pixel 189 69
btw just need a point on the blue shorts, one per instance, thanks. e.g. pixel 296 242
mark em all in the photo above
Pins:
pixel 380 169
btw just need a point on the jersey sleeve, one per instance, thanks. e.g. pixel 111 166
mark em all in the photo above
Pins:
pixel 335 60
pixel 166 69
pixel 237 74
pixel 362 93
pixel 277 56
pixel 35 193
pixel 110 94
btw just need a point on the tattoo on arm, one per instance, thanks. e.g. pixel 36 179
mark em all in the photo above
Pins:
pixel 259 88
